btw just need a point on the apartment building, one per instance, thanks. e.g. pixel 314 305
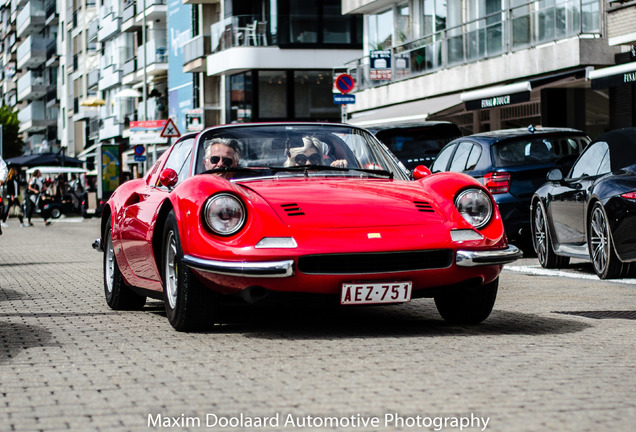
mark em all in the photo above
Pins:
pixel 29 69
pixel 268 60
pixel 484 64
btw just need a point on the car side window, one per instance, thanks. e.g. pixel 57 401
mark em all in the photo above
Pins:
pixel 589 163
pixel 473 157
pixel 179 158
pixel 461 157
pixel 443 157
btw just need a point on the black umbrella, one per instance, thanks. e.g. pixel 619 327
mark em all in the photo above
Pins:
pixel 44 159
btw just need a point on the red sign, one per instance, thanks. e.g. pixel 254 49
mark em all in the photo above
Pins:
pixel 170 130
pixel 147 125
pixel 345 83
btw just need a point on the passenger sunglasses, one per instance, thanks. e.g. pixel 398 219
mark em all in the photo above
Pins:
pixel 314 159
pixel 226 160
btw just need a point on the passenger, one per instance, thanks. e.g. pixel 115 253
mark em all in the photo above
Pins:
pixel 310 154
pixel 222 152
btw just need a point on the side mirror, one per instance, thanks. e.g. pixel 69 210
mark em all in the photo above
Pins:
pixel 168 178
pixel 555 175
pixel 421 171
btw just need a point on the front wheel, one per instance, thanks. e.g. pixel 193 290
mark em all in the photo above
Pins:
pixel 119 296
pixel 468 307
pixel 541 240
pixel 189 305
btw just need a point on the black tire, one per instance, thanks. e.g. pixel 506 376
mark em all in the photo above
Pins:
pixel 601 248
pixel 56 213
pixel 119 296
pixel 468 307
pixel 542 242
pixel 189 305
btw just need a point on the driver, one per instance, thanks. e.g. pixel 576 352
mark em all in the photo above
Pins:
pixel 310 154
pixel 222 152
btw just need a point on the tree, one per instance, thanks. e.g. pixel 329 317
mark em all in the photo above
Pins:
pixel 11 141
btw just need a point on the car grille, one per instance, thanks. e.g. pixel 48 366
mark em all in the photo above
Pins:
pixel 384 262
pixel 292 209
pixel 424 206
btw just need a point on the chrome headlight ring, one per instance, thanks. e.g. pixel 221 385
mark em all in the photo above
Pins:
pixel 475 206
pixel 224 214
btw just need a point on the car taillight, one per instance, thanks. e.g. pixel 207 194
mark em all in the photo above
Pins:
pixel 497 182
pixel 629 195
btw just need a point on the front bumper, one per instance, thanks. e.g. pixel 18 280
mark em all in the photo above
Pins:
pixel 285 268
pixel 488 257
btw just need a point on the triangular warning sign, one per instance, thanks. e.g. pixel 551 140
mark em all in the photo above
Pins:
pixel 170 130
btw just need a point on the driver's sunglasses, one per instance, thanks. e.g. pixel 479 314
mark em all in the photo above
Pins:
pixel 314 159
pixel 226 160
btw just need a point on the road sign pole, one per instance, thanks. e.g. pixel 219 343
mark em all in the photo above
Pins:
pixel 343 113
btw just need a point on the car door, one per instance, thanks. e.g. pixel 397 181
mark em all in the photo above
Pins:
pixel 141 209
pixel 568 199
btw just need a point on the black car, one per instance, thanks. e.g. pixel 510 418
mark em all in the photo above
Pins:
pixel 512 164
pixel 591 213
pixel 416 143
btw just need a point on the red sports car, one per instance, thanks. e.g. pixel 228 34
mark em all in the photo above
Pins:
pixel 268 210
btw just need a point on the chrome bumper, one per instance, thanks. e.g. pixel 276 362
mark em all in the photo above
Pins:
pixel 489 257
pixel 268 269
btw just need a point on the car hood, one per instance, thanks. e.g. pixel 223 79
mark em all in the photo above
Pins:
pixel 347 203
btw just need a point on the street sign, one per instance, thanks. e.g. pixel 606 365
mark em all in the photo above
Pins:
pixel 170 130
pixel 139 149
pixel 139 158
pixel 345 83
pixel 341 99
pixel 147 138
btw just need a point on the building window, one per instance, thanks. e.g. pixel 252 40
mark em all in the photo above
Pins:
pixel 272 94
pixel 240 98
pixel 313 96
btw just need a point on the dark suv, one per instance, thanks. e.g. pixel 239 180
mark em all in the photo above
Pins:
pixel 416 143
pixel 512 164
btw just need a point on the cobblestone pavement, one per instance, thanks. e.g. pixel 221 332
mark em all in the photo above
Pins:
pixel 557 354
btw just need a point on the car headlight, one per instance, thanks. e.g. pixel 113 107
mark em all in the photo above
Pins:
pixel 224 214
pixel 475 206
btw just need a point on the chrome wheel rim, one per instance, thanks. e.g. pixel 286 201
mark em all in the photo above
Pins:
pixel 171 270
pixel 540 235
pixel 110 264
pixel 599 240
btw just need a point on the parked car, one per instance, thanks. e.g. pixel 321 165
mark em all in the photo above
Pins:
pixel 591 213
pixel 512 165
pixel 67 202
pixel 416 143
pixel 315 209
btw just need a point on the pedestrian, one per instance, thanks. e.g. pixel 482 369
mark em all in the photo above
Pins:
pixel 13 196
pixel 3 178
pixel 35 188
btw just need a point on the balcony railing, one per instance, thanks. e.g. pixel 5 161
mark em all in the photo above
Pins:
pixel 503 32
pixel 196 47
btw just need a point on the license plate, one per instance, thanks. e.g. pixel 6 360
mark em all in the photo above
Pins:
pixel 375 293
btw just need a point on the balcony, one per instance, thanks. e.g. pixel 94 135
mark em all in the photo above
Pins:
pixel 109 25
pixel 194 52
pixel 36 117
pixel 155 10
pixel 93 30
pixel 93 79
pixel 31 19
pixel 110 77
pixel 111 128
pixel 505 32
pixel 32 52
pixel 239 31
pixel 156 61
pixel 128 16
pixel 50 11
pixel 8 86
pixel 32 85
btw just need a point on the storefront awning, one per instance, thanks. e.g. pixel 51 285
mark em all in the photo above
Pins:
pixel 613 76
pixel 405 112
pixel 492 97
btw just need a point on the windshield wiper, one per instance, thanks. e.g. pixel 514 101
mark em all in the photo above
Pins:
pixel 306 168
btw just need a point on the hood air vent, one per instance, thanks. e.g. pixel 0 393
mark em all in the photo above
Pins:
pixel 292 209
pixel 423 206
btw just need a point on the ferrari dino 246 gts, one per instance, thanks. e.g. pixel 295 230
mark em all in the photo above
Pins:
pixel 270 210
